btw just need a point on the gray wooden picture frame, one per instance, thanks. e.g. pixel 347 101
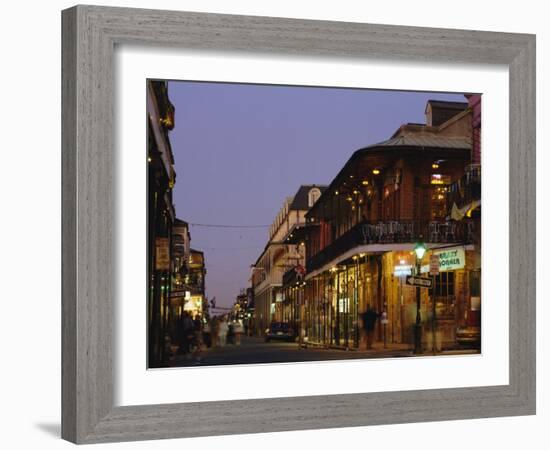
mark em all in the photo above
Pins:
pixel 90 34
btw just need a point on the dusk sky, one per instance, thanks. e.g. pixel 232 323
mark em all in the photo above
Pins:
pixel 240 150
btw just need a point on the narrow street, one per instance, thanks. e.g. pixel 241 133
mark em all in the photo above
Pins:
pixel 255 350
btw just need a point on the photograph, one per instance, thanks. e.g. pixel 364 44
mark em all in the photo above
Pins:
pixel 303 223
pixel 262 228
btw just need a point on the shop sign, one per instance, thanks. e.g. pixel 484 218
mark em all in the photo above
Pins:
pixel 162 254
pixel 402 270
pixel 434 265
pixel 451 259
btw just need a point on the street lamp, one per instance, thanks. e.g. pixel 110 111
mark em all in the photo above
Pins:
pixel 419 250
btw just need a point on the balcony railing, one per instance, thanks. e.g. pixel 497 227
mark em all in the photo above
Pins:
pixel 395 232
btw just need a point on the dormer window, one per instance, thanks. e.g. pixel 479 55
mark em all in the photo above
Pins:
pixel 313 196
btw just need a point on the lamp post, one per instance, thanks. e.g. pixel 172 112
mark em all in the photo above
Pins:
pixel 419 250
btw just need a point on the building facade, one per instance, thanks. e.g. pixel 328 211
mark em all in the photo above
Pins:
pixel 175 271
pixel 194 285
pixel 240 309
pixel 161 178
pixel 421 185
pixel 270 302
pixel 188 274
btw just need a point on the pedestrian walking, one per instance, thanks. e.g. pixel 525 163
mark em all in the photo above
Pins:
pixel 186 333
pixel 230 333
pixel 214 332
pixel 369 318
pixel 302 337
pixel 179 336
pixel 197 341
pixel 207 334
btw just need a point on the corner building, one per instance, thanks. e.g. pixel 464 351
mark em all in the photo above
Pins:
pixel 423 184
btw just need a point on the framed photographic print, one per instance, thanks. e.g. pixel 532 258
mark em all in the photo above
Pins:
pixel 285 216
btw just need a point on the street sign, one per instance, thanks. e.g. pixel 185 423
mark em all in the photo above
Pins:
pixel 185 294
pixel 434 265
pixel 419 281
pixel 177 294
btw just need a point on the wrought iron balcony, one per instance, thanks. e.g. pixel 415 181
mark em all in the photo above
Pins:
pixel 395 232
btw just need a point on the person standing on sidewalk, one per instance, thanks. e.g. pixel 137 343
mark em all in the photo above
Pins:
pixel 369 317
pixel 222 332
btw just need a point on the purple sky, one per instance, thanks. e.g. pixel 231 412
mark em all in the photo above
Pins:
pixel 240 150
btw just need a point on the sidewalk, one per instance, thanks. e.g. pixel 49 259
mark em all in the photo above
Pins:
pixel 391 349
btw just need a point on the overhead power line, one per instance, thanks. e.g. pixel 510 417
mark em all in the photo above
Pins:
pixel 211 225
pixel 231 248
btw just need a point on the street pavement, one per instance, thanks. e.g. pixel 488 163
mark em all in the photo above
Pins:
pixel 255 350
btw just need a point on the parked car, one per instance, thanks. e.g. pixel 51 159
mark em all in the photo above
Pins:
pixel 280 331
